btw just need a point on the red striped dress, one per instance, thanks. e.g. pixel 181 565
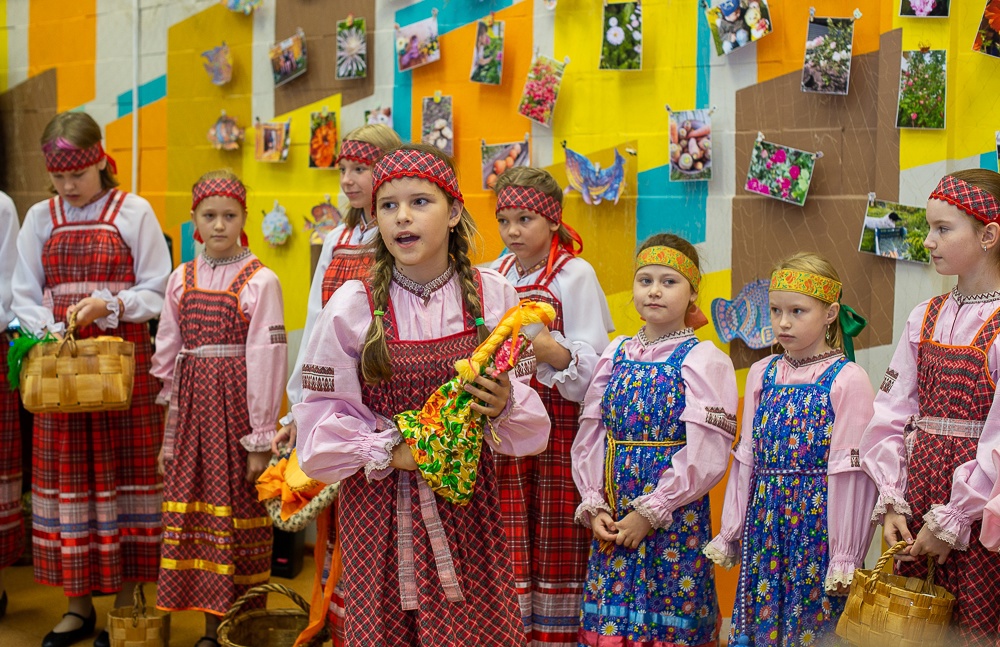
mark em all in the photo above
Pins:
pixel 96 496
pixel 11 521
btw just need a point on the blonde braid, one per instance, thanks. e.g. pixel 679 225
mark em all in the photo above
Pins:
pixel 458 249
pixel 376 365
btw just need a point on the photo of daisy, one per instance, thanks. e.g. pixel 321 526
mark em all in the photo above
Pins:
pixel 621 46
pixel 352 49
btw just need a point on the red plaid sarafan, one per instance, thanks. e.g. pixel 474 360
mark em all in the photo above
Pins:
pixel 62 156
pixel 529 199
pixel 358 151
pixel 407 162
pixel 219 186
pixel 974 201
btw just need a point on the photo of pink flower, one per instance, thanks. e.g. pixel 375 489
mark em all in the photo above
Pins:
pixel 780 172
pixel 541 90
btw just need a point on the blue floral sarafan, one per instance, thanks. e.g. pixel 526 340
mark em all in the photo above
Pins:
pixel 781 599
pixel 663 592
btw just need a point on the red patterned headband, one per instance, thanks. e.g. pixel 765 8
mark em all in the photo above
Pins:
pixel 974 201
pixel 219 186
pixel 530 199
pixel 63 156
pixel 406 162
pixel 358 151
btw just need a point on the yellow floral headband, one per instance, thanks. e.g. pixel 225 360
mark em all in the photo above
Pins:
pixel 819 287
pixel 670 257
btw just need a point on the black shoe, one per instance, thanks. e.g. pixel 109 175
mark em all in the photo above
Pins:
pixel 206 639
pixel 67 638
pixel 103 639
pixel 3 604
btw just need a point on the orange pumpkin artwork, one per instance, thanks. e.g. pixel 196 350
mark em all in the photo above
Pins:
pixel 322 139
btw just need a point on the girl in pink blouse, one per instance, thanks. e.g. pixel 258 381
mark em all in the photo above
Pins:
pixel 221 354
pixel 657 424
pixel 417 569
pixel 797 502
pixel 929 445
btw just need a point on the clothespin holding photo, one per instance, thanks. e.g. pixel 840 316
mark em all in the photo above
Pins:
pixel 857 14
pixel 812 14
pixel 350 20
pixel 563 143
pixel 434 12
pixel 760 137
pixel 924 47
pixel 818 155
pixel 711 111
pixel 871 198
pixel 631 151
pixel 325 112
pixel 490 19
pixel 669 111
pixel 566 60
pixel 437 96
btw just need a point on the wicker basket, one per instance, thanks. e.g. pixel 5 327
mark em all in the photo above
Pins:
pixel 135 626
pixel 886 610
pixel 78 375
pixel 268 627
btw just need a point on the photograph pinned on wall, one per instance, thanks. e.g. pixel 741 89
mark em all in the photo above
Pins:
pixel 289 58
pixel 541 89
pixel 594 183
pixel 988 37
pixel 924 8
pixel 997 137
pixel 219 64
pixel 417 43
pixel 322 139
pixel 497 158
pixel 621 43
pixel 737 23
pixel 922 86
pixel 379 115
pixel 827 65
pixel 245 7
pixel 436 123
pixel 272 140
pixel 352 49
pixel 487 56
pixel 894 231
pixel 690 145
pixel 780 172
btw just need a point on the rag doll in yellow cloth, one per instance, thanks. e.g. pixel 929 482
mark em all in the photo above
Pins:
pixel 446 435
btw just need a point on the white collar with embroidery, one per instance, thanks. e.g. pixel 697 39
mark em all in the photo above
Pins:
pixel 425 290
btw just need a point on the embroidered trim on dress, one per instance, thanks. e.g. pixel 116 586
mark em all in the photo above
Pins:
pixel 941 533
pixel 424 291
pixel 378 466
pixel 719 417
pixel 984 297
pixel 229 260
pixel 855 458
pixel 899 506
pixel 889 380
pixel 527 364
pixel 644 340
pixel 589 508
pixel 318 378
pixel 278 335
pixel 838 577
pixel 521 272
pixel 815 359
pixel 644 509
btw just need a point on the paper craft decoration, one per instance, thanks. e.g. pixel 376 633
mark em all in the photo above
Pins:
pixel 352 49
pixel 436 123
pixel 621 45
pixel 924 8
pixel 289 58
pixel 922 87
pixel 690 145
pixel 594 183
pixel 276 226
pixel 737 23
pixel 379 115
pixel 417 44
pixel 747 317
pixel 245 7
pixel 219 64
pixel 446 435
pixel 225 134
pixel 988 37
pixel 829 46
pixel 323 139
pixel 895 231
pixel 487 56
pixel 272 140
pixel 541 89
pixel 780 172
pixel 497 158
pixel 325 218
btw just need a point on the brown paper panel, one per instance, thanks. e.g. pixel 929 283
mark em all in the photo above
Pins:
pixel 25 109
pixel 319 22
pixel 860 146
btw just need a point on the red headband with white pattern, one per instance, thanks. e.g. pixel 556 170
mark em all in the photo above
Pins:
pixel 63 156
pixel 406 162
pixel 974 201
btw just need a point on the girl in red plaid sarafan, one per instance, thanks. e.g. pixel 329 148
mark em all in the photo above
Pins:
pixel 98 253
pixel 418 570
pixel 929 445
pixel 221 353
pixel 537 493
pixel 11 519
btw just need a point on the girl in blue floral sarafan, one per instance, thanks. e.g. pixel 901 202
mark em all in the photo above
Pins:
pixel 657 425
pixel 797 499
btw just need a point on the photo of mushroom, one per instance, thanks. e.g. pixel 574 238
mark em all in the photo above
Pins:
pixel 436 128
pixel 690 145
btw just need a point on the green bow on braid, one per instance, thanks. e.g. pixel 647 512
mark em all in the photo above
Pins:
pixel 851 324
